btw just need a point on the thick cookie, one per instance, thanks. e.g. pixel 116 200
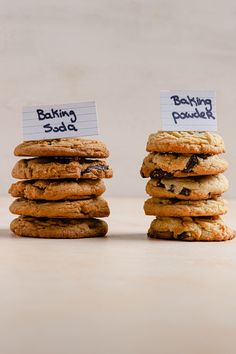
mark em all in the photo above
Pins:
pixel 186 142
pixel 85 208
pixel 158 165
pixel 62 147
pixel 191 229
pixel 58 189
pixel 58 228
pixel 180 208
pixel 61 167
pixel 192 188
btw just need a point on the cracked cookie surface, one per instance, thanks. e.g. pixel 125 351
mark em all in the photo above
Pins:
pixel 186 142
pixel 191 229
pixel 58 228
pixel 58 189
pixel 61 167
pixel 63 147
pixel 158 165
pixel 190 188
pixel 179 208
pixel 85 208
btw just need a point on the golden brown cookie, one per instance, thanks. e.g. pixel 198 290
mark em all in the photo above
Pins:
pixel 158 165
pixel 180 208
pixel 191 229
pixel 186 142
pixel 58 228
pixel 64 189
pixel 63 147
pixel 191 188
pixel 61 167
pixel 85 208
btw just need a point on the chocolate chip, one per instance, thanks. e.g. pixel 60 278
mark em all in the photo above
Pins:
pixel 95 167
pixel 160 184
pixel 185 191
pixel 183 236
pixel 193 161
pixel 172 188
pixel 203 156
pixel 159 173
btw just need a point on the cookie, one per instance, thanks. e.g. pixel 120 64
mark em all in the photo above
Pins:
pixel 61 167
pixel 191 188
pixel 191 229
pixel 63 147
pixel 180 208
pixel 85 208
pixel 64 189
pixel 158 165
pixel 58 228
pixel 186 142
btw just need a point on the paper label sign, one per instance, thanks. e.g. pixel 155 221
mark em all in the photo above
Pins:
pixel 188 110
pixel 60 121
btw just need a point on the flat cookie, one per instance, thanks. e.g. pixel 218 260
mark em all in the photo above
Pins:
pixel 63 147
pixel 64 189
pixel 191 229
pixel 61 167
pixel 180 208
pixel 158 165
pixel 191 188
pixel 58 228
pixel 85 208
pixel 186 142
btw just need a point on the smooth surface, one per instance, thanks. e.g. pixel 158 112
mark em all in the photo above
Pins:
pixel 120 53
pixel 123 294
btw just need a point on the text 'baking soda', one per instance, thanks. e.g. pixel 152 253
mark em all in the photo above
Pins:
pixel 55 114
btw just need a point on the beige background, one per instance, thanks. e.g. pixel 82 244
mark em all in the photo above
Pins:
pixel 120 53
pixel 124 294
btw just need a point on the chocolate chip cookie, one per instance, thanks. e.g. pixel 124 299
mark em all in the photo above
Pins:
pixel 64 189
pixel 191 229
pixel 186 142
pixel 58 228
pixel 63 147
pixel 180 208
pixel 158 165
pixel 61 167
pixel 191 188
pixel 85 208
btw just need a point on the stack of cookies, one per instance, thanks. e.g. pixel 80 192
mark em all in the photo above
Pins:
pixel 186 183
pixel 59 196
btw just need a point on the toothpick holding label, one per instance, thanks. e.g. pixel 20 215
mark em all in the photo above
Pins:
pixel 188 110
pixel 60 121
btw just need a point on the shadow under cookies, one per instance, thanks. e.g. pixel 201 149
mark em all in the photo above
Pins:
pixel 127 236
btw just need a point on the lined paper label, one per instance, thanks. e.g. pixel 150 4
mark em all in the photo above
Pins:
pixel 188 110
pixel 60 121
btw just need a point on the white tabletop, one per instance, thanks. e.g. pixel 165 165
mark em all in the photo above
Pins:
pixel 117 295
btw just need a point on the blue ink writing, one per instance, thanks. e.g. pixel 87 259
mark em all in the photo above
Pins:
pixel 55 114
pixel 203 108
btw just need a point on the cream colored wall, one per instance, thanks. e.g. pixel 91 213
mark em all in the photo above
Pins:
pixel 120 53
